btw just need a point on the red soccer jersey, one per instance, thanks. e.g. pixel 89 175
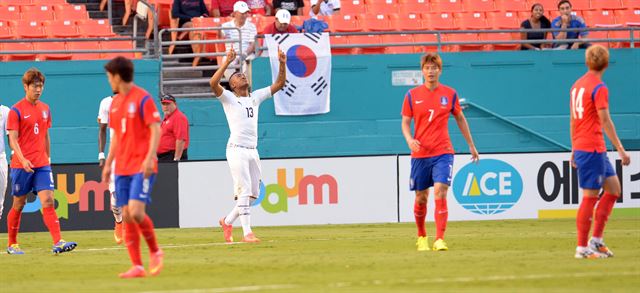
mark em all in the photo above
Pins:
pixel 588 95
pixel 32 123
pixel 430 111
pixel 174 127
pixel 130 117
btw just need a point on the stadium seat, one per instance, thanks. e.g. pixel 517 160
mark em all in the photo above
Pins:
pixel 298 20
pixel 465 37
pixel 581 4
pixel 377 22
pixel 49 2
pixel 26 47
pixel 471 20
pixel 5 31
pixel 352 7
pixel 343 23
pixel 628 17
pixel 70 12
pixel 439 21
pixel 210 35
pixel 479 5
pixel 37 12
pixel 117 45
pixel 382 7
pixel 625 35
pixel 28 29
pixel 548 5
pixel 58 46
pixel 407 21
pixel 496 38
pixel 84 46
pixel 10 12
pixel 95 28
pixel 503 20
pixel 339 40
pixel 599 35
pixel 17 2
pixel 631 4
pixel 606 4
pixel 446 6
pixel 600 18
pixel 368 39
pixel 414 6
pixel 61 29
pixel 425 38
pixel 512 5
pixel 405 39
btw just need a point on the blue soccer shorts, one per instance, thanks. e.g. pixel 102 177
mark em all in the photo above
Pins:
pixel 23 182
pixel 133 187
pixel 593 168
pixel 426 171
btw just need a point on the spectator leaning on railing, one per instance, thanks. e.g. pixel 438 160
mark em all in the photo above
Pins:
pixel 293 6
pixel 536 21
pixel 568 20
pixel 181 13
pixel 324 7
pixel 281 25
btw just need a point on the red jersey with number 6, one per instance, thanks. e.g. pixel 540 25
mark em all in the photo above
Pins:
pixel 130 117
pixel 32 121
pixel 430 112
pixel 588 95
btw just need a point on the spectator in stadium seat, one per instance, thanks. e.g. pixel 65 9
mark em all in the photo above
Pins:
pixel 222 8
pixel 182 12
pixel 293 6
pixel 536 21
pixel 248 32
pixel 281 25
pixel 260 7
pixel 326 7
pixel 174 135
pixel 568 20
pixel 127 9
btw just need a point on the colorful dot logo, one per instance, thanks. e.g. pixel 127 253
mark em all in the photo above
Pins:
pixel 301 61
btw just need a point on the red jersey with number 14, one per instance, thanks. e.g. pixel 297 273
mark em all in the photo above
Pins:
pixel 430 112
pixel 588 95
pixel 32 121
pixel 130 117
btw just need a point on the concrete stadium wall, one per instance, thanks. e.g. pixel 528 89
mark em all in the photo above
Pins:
pixel 530 88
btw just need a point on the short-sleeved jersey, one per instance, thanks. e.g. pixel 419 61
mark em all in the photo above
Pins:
pixel 242 115
pixel 32 121
pixel 103 112
pixel 430 112
pixel 130 117
pixel 588 95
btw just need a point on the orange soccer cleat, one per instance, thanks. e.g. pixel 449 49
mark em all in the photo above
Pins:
pixel 118 234
pixel 133 272
pixel 156 262
pixel 250 238
pixel 228 231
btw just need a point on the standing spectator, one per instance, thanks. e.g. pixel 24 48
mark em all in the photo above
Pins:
pixel 536 21
pixel 174 137
pixel 326 7
pixel 293 6
pixel 568 20
pixel 260 7
pixel 182 12
pixel 281 25
pixel 128 7
pixel 248 32
pixel 222 8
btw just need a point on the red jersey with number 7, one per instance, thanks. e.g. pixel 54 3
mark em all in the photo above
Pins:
pixel 130 117
pixel 430 111
pixel 32 121
pixel 588 95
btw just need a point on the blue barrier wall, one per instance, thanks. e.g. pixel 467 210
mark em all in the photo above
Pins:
pixel 530 88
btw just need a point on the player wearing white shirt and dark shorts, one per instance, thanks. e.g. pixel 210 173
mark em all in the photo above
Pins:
pixel 241 109
pixel 4 113
pixel 103 122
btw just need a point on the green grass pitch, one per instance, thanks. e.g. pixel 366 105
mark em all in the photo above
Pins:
pixel 488 256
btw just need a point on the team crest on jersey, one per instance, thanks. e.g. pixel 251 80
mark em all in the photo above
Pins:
pixel 444 101
pixel 45 115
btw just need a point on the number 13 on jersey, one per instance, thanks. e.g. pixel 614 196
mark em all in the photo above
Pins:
pixel 577 109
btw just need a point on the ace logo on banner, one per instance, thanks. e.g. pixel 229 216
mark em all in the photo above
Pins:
pixel 308 83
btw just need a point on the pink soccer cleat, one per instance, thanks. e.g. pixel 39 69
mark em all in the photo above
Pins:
pixel 133 272
pixel 228 231
pixel 250 238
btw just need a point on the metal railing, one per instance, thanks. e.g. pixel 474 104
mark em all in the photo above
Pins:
pixel 72 40
pixel 151 8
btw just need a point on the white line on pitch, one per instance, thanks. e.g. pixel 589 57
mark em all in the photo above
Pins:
pixel 230 289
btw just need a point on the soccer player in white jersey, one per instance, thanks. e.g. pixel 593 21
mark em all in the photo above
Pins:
pixel 103 122
pixel 4 113
pixel 241 109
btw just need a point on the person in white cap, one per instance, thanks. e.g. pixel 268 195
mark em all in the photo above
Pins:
pixel 247 34
pixel 281 25
pixel 324 7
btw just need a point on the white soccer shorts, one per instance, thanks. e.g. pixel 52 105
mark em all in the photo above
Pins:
pixel 3 179
pixel 245 170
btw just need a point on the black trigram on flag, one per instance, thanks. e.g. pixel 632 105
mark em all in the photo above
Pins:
pixel 280 38
pixel 319 86
pixel 314 37
pixel 289 88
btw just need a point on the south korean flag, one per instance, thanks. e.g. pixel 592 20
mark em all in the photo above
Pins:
pixel 308 84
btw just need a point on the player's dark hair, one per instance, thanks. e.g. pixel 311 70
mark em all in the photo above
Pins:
pixel 563 2
pixel 120 66
pixel 32 75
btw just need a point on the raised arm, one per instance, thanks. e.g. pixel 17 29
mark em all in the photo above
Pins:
pixel 217 76
pixel 466 133
pixel 610 131
pixel 282 73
